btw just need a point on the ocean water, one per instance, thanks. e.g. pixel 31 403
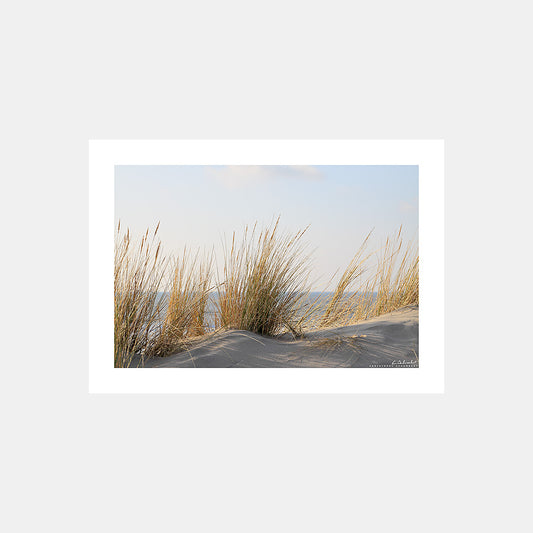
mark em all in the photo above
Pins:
pixel 312 297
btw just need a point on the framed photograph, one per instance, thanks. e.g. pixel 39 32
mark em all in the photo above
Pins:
pixel 266 266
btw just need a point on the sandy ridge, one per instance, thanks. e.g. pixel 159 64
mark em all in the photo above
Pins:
pixel 390 340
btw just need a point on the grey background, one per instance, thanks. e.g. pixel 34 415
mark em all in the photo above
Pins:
pixel 74 71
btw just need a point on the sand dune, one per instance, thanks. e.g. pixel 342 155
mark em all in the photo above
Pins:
pixel 390 340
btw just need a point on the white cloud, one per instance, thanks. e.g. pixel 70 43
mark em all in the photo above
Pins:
pixel 234 176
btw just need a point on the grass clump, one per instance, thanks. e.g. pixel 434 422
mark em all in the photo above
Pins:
pixel 265 280
pixel 139 273
pixel 159 302
pixel 391 283
pixel 337 306
pixel 185 303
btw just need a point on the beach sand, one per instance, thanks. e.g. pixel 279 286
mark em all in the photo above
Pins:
pixel 390 340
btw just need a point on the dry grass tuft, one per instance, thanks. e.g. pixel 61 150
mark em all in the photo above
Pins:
pixel 185 303
pixel 265 280
pixel 139 273
pixel 391 283
pixel 159 302
pixel 336 306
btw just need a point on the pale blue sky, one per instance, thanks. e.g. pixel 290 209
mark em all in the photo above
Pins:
pixel 199 205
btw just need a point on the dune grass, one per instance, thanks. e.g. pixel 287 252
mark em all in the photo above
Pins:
pixel 184 303
pixel 391 282
pixel 161 302
pixel 139 272
pixel 265 280
pixel 337 306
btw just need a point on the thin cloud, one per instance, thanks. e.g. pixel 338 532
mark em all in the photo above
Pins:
pixel 409 207
pixel 235 176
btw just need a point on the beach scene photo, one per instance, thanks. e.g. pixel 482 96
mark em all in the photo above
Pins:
pixel 266 266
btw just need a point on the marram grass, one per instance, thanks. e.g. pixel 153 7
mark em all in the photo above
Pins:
pixel 375 284
pixel 184 303
pixel 264 282
pixel 139 272
pixel 263 287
